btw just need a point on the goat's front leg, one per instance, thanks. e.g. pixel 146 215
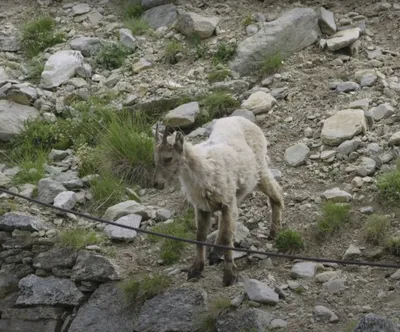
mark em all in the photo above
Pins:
pixel 203 220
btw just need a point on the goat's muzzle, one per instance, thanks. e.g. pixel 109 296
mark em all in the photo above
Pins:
pixel 158 185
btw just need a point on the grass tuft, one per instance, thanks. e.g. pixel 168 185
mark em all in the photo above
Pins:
pixel 172 49
pixel 79 238
pixel 39 34
pixel 138 26
pixel 32 167
pixel 184 227
pixel 218 74
pixel 388 184
pixel 138 291
pixel 334 216
pixel 35 69
pixel 376 228
pixel 219 104
pixel 200 46
pixel 289 240
pixel 225 52
pixel 270 64
pixel 112 55
pixel 207 320
pixel 393 245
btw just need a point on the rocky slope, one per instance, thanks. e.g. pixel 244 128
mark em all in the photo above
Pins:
pixel 329 112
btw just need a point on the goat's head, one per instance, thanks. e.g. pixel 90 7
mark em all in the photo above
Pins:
pixel 168 152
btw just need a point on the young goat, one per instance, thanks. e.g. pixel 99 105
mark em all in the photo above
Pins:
pixel 216 175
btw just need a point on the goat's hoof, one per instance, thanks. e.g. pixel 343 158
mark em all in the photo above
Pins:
pixel 230 278
pixel 214 258
pixel 195 272
pixel 272 235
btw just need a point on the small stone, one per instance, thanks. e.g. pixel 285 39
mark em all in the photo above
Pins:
pixel 183 116
pixel 80 9
pixel 190 23
pixel 260 292
pixel 65 200
pixel 347 87
pixel 336 195
pixel 245 114
pixel 396 275
pixel 127 39
pixel 141 65
pixel 352 252
pixel 382 111
pixel 360 104
pixel 303 270
pixel 394 139
pixel 366 167
pixel 334 286
pixel 118 233
pixel 323 314
pixel 278 324
pixel 368 80
pixel 326 21
pixel 297 154
pixel 367 210
pixel 343 39
pixel 326 276
pixel 259 102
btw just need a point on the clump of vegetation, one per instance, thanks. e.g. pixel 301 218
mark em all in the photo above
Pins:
pixel 138 26
pixel 32 167
pixel 218 74
pixel 207 320
pixel 225 52
pixel 39 34
pixel 35 69
pixel 218 104
pixel 200 46
pixel 139 291
pixel 388 184
pixel 271 63
pixel 334 216
pixel 289 240
pixel 79 238
pixel 376 228
pixel 393 245
pixel 183 227
pixel 132 10
pixel 172 49
pixel 247 20
pixel 112 55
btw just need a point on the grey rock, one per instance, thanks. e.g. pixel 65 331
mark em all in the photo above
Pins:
pixel 259 102
pixel 5 181
pixel 69 180
pixel 11 221
pixel 334 286
pixel 368 80
pixel 293 31
pixel 105 311
pixel 394 139
pixel 343 39
pixel 163 214
pixel 161 16
pixel 183 116
pixel 326 276
pixel 94 267
pixel 23 95
pixel 260 292
pixel 326 21
pixel 8 283
pixel 235 86
pixel 86 45
pixel 128 207
pixel 336 195
pixel 360 104
pixel 367 166
pixel 12 118
pixel 48 189
pixel 95 17
pixel 323 314
pixel 373 149
pixel 174 310
pixel 303 270
pixel 251 29
pixel 60 67
pixel 241 233
pixel 34 290
pixel 140 65
pixel 280 93
pixel 382 111
pixel 127 39
pixel 347 86
pixel 147 4
pixel 396 275
pixel 245 114
pixel 352 253
pixel 190 23
pixel 342 126
pixel 118 233
pixel 278 324
pixel 10 40
pixel 297 155
pixel 367 209
pixel 65 200
pixel 55 258
pixel 374 323
pixel 18 325
pixel 58 155
pixel 248 319
pixel 80 9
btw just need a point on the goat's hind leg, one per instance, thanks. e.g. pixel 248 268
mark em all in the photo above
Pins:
pixel 203 220
pixel 270 187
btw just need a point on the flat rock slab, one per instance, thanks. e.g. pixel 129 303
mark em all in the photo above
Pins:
pixel 16 325
pixel 249 319
pixel 147 4
pixel 54 258
pixel 175 310
pixel 118 233
pixel 343 39
pixel 106 311
pixel 259 292
pixel 11 221
pixel 52 291
pixel 342 126
pixel 337 195
pixel 124 208
pixel 12 118
pixel 293 31
pixel 94 267
pixel 303 270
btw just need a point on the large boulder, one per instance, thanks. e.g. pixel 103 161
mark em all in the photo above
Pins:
pixel 12 118
pixel 290 33
pixel 60 67
pixel 160 16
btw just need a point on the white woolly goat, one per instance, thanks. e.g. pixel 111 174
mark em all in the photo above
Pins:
pixel 216 175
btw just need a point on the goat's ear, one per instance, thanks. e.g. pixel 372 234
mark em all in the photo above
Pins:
pixel 179 139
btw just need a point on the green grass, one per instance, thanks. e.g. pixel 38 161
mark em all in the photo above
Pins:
pixel 138 26
pixel 388 184
pixel 351 326
pixel 334 216
pixel 35 69
pixel 131 10
pixel 206 321
pixel 138 291
pixel 172 49
pixel 199 45
pixel 218 104
pixel 393 246
pixel 79 238
pixel 247 20
pixel 218 74
pixel 376 228
pixel 270 64
pixel 39 34
pixel 184 227
pixel 112 55
pixel 224 53
pixel 32 167
pixel 289 241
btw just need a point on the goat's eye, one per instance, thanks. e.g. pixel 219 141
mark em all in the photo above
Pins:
pixel 167 160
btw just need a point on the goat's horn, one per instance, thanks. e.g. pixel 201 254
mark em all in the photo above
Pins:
pixel 164 139
pixel 156 134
